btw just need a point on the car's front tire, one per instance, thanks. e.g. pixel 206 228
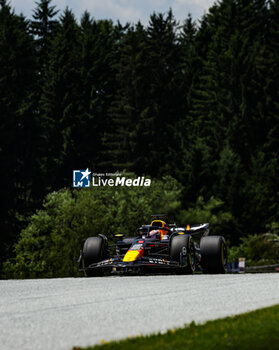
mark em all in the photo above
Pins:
pixel 178 244
pixel 93 252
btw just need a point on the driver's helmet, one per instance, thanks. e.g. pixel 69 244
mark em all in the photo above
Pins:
pixel 142 234
pixel 155 234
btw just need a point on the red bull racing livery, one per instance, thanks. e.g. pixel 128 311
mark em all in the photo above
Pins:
pixel 156 248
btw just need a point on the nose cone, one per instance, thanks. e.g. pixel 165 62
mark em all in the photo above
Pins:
pixel 131 255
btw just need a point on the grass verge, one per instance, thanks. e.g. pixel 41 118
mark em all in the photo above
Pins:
pixel 255 330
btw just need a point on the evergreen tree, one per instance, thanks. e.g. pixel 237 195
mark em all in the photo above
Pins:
pixel 17 124
pixel 191 62
pixel 190 69
pixel 263 184
pixel 42 27
pixel 166 98
pixel 129 110
pixel 60 104
pixel 98 59
pixel 150 98
pixel 271 80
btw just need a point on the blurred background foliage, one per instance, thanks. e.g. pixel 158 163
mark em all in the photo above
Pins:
pixel 49 246
pixel 259 250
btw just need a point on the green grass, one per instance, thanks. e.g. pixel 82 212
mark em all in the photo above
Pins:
pixel 251 331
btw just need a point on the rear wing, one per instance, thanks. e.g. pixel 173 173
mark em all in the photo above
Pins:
pixel 195 229
pixel 158 216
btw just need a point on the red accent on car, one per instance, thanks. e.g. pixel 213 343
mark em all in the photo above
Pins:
pixel 141 251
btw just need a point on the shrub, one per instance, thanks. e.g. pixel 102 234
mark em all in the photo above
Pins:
pixel 49 245
pixel 258 250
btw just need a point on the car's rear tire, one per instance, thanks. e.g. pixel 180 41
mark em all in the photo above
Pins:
pixel 177 244
pixel 213 254
pixel 93 252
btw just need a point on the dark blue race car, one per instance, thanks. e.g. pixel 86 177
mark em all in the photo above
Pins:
pixel 156 248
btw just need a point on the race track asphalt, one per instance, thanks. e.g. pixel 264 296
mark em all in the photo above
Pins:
pixel 56 314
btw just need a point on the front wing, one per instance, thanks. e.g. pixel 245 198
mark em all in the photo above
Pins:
pixel 116 264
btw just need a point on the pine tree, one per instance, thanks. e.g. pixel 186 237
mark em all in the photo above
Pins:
pixel 17 124
pixel 98 59
pixel 60 104
pixel 263 186
pixel 227 110
pixel 190 69
pixel 191 64
pixel 42 27
pixel 129 110
pixel 150 99
pixel 272 80
pixel 166 97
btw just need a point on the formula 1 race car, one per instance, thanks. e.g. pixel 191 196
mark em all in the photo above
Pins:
pixel 158 247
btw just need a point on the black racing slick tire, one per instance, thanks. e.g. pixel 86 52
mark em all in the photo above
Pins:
pixel 214 254
pixel 179 244
pixel 93 252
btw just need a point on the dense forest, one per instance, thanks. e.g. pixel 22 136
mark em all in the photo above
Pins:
pixel 197 101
